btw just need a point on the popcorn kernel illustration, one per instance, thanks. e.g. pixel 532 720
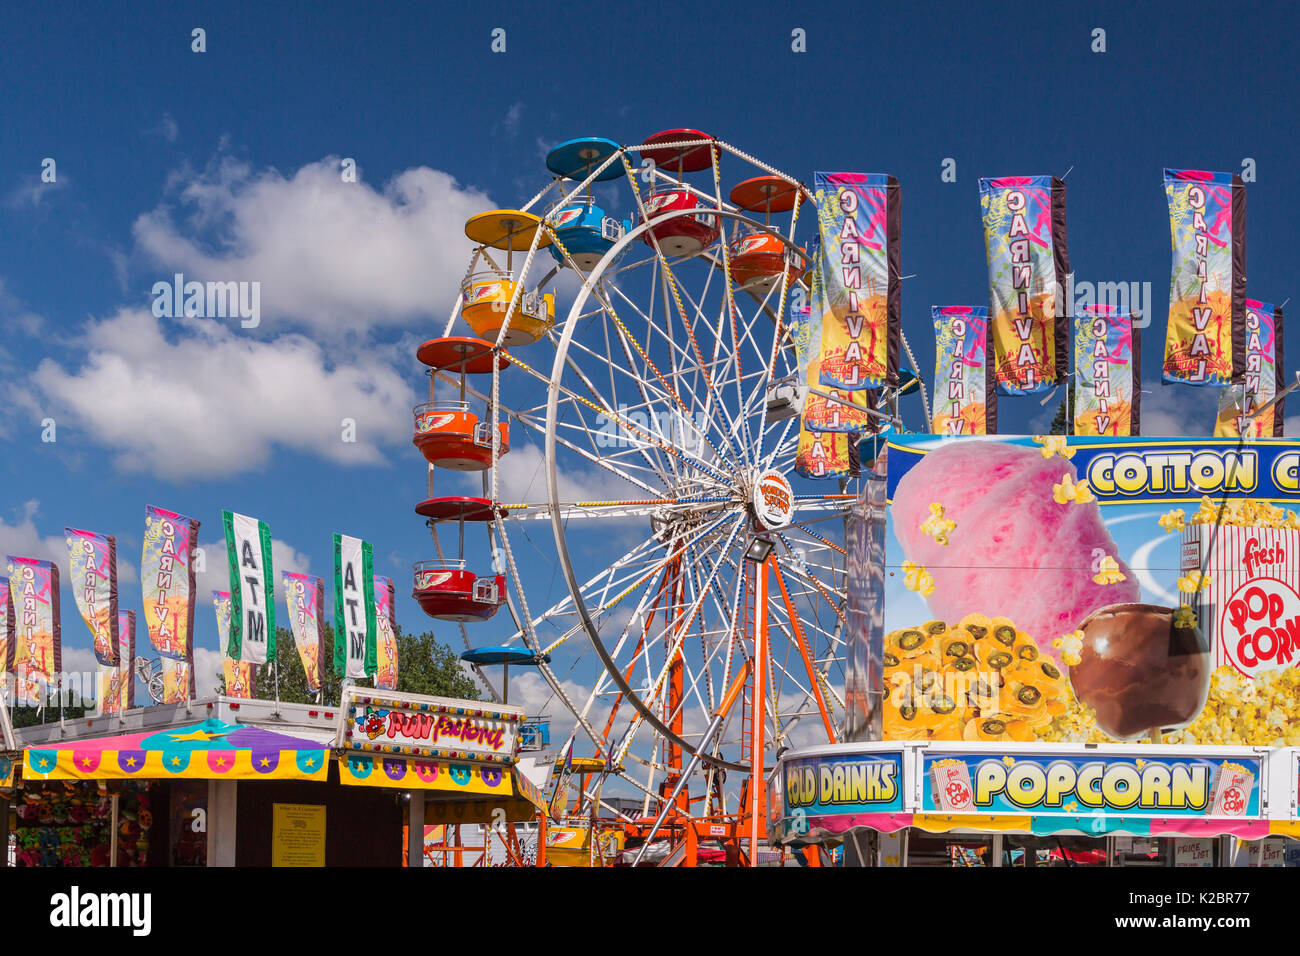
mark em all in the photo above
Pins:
pixel 1071 491
pixel 918 579
pixel 1193 581
pixel 1173 521
pixel 1184 617
pixel 1054 445
pixel 1071 647
pixel 1108 571
pixel 937 526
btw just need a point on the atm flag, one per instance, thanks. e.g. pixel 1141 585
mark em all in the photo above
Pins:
pixel 252 589
pixel 1205 341
pixel 1108 379
pixel 92 561
pixel 965 400
pixel 1263 359
pixel 355 624
pixel 856 285
pixel 1024 240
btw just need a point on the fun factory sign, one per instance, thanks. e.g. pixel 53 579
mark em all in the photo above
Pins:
pixel 429 728
pixel 1083 785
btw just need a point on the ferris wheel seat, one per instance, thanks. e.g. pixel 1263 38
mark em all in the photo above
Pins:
pixel 683 235
pixel 461 354
pixel 458 508
pixel 576 158
pixel 586 233
pixel 487 301
pixel 450 436
pixel 757 262
pixel 679 159
pixel 447 592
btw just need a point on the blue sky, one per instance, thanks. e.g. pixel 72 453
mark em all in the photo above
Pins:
pixel 224 164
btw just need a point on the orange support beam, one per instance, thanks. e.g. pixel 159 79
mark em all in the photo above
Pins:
pixel 803 652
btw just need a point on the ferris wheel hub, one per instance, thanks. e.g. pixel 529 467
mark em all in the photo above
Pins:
pixel 772 500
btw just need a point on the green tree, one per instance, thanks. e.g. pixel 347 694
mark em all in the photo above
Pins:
pixel 425 666
pixel 28 717
pixel 1060 422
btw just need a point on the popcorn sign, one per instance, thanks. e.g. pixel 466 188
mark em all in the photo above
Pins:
pixel 1250 606
pixel 951 785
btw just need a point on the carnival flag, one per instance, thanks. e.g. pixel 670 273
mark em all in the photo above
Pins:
pixel 1263 359
pixel 1024 240
pixel 355 626
pixel 126 634
pixel 1108 376
pixel 118 683
pixel 1205 342
pixel 92 559
pixel 8 636
pixel 38 654
pixel 305 595
pixel 820 413
pixel 240 676
pixel 386 644
pixel 167 581
pixel 824 426
pixel 826 454
pixel 178 681
pixel 857 282
pixel 252 589
pixel 965 399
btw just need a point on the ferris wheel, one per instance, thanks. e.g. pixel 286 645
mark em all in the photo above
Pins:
pixel 632 320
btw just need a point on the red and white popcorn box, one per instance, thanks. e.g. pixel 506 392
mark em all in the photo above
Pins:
pixel 1250 609
pixel 1231 790
pixel 951 786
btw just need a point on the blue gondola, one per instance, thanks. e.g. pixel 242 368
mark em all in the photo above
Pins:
pixel 586 233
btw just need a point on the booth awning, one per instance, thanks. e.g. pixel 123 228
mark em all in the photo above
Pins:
pixel 471 790
pixel 206 750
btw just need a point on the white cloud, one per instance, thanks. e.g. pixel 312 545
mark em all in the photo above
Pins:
pixel 212 402
pixel 1179 410
pixel 336 256
pixel 207 671
pixel 510 122
pixel 167 129
pixel 22 539
pixel 530 691
pixel 32 191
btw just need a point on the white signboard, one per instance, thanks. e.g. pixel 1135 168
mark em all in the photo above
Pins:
pixel 414 725
pixel 1193 852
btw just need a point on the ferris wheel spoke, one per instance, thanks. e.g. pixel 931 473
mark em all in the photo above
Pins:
pixel 675 352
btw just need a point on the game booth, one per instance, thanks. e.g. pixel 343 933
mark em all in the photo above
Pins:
pixel 226 782
pixel 1065 652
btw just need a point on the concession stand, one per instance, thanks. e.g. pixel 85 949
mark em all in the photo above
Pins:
pixel 226 782
pixel 1065 651
pixel 955 804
